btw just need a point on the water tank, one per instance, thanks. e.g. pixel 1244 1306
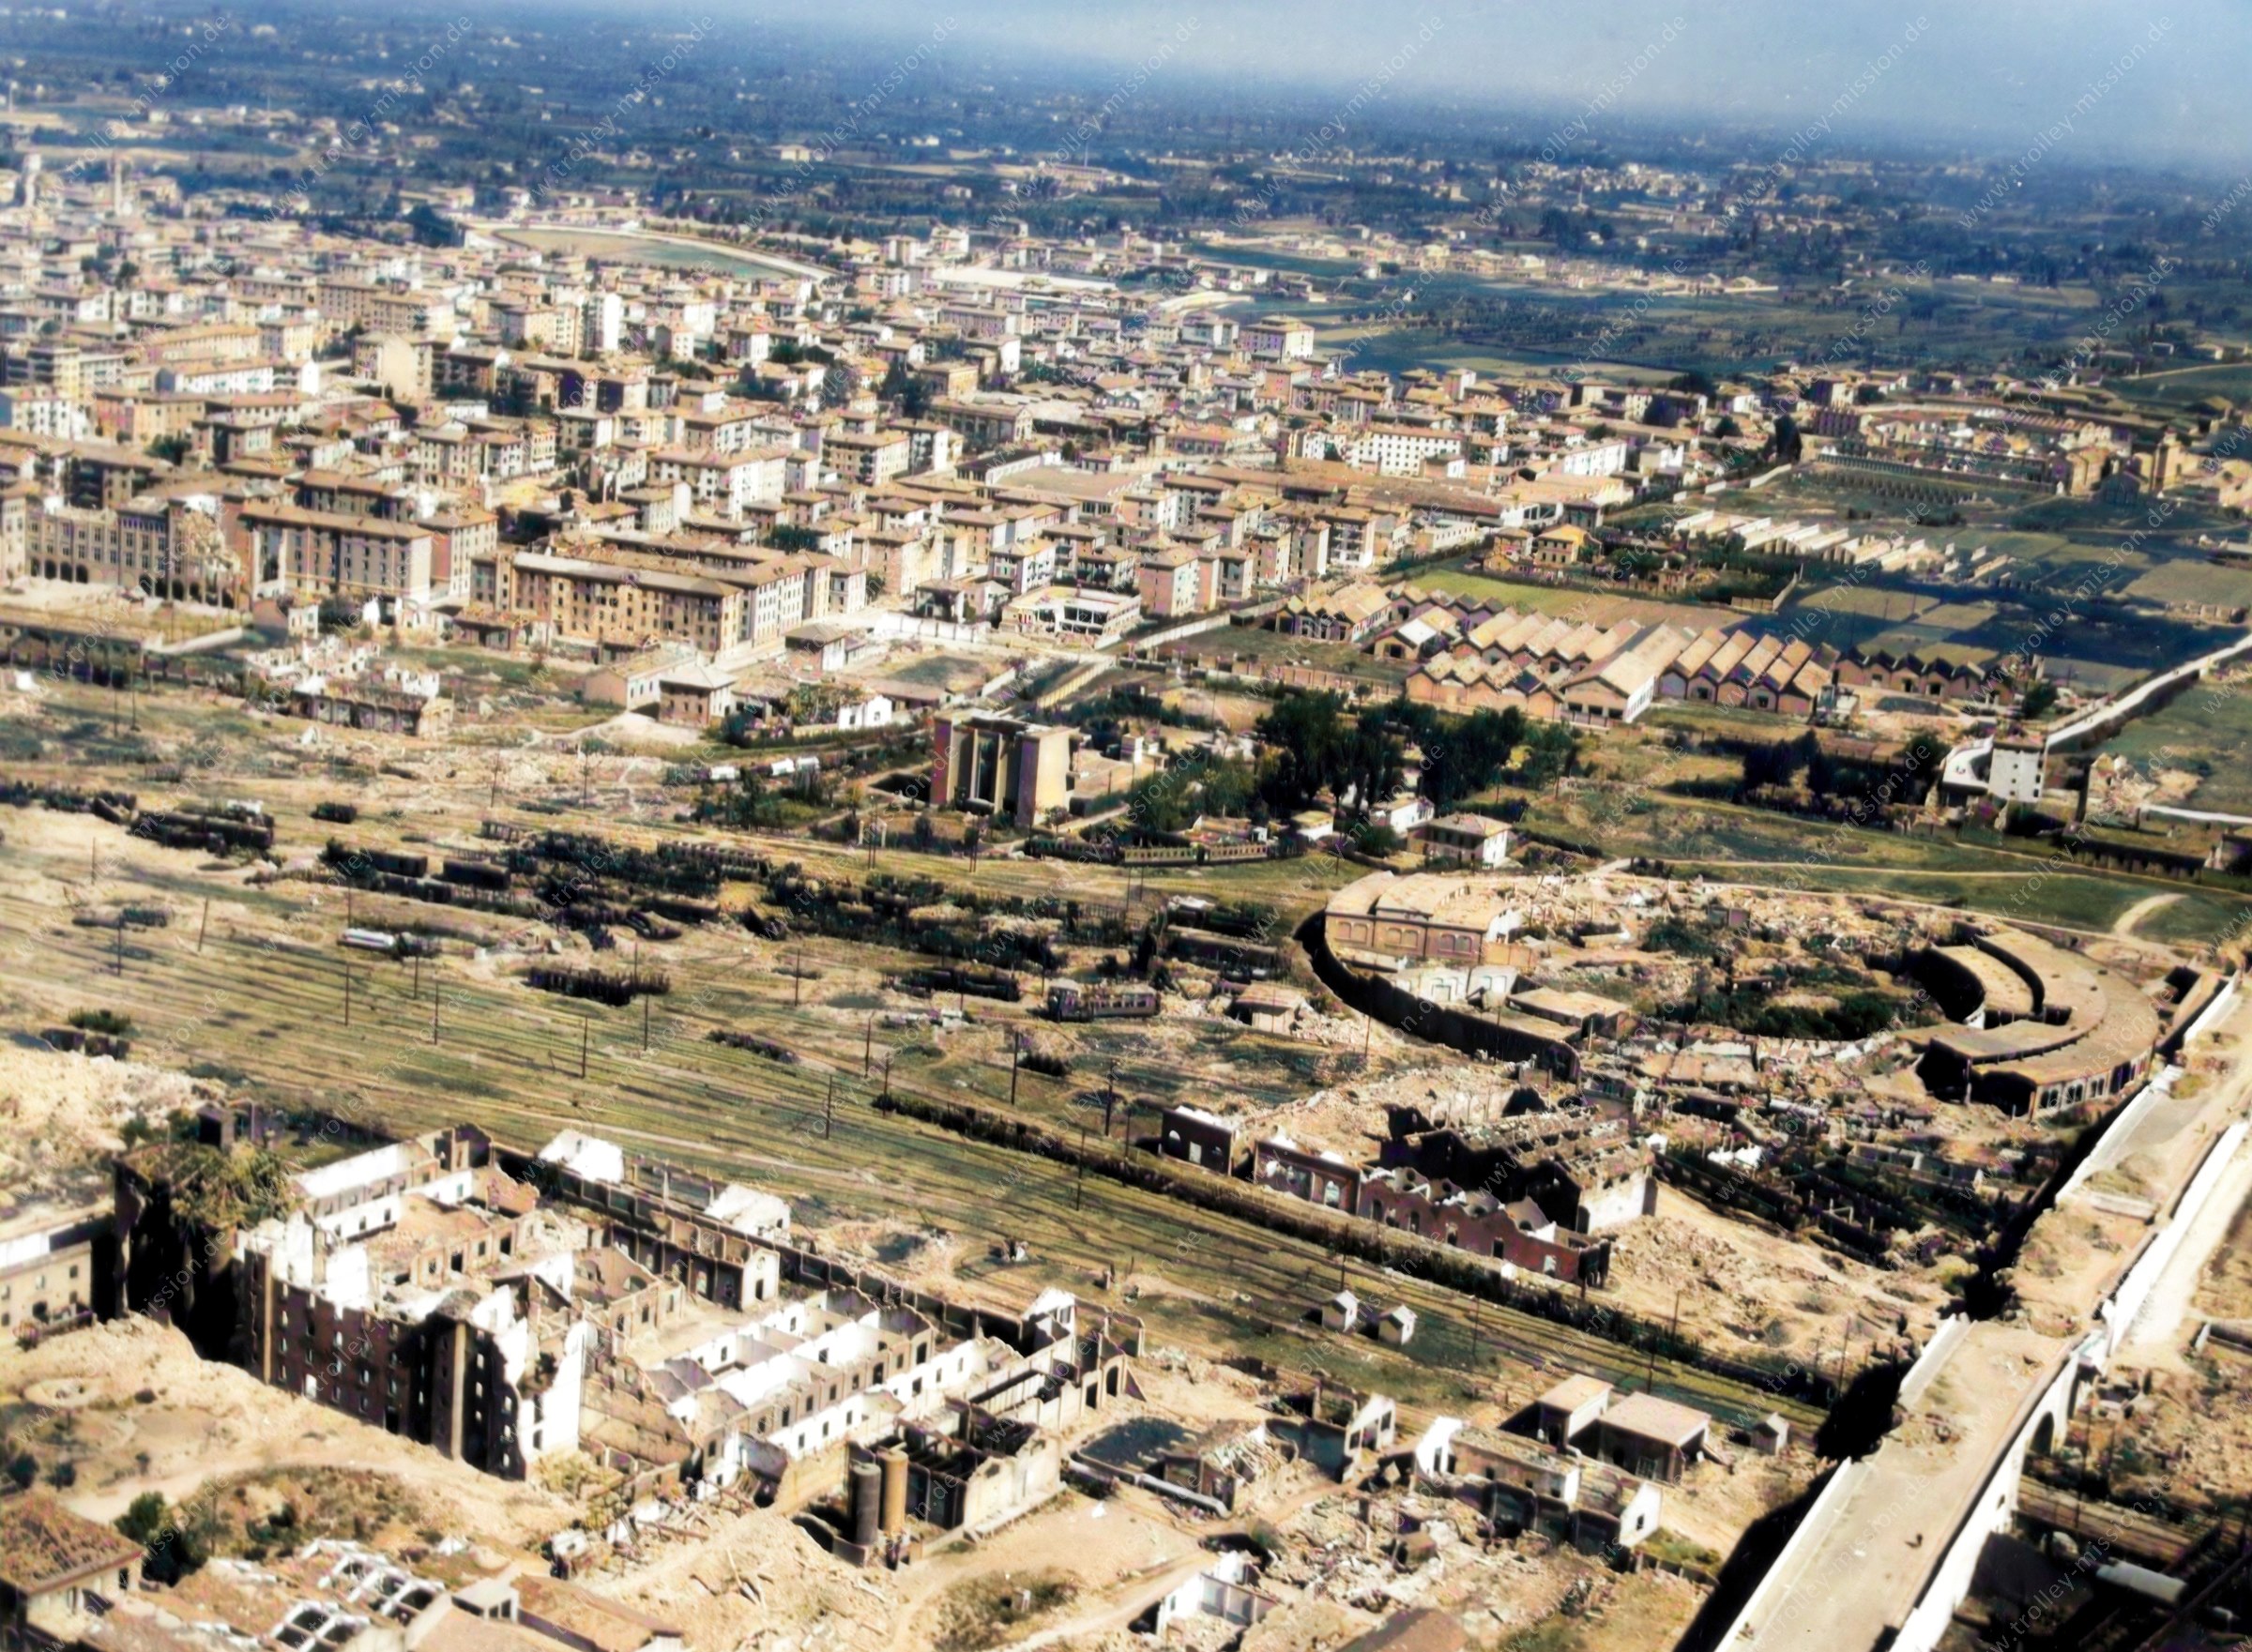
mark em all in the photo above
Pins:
pixel 867 1482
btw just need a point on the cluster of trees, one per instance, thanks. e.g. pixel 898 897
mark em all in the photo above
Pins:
pixel 1825 775
pixel 1477 751
pixel 1318 749
pixel 1316 746
pixel 1174 799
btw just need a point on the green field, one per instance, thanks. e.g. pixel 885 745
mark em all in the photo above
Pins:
pixel 2185 579
pixel 1736 844
pixel 1596 606
pixel 2179 387
pixel 2209 729
pixel 636 250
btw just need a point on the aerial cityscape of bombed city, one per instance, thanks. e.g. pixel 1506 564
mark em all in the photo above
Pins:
pixel 930 834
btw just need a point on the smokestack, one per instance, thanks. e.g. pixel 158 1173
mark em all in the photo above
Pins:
pixel 894 1458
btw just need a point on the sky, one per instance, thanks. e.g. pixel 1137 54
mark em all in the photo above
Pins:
pixel 2091 81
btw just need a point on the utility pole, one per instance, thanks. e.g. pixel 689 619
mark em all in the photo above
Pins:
pixel 121 941
pixel 828 1110
pixel 205 925
pixel 586 1034
pixel 1110 1096
pixel 645 1022
pixel 347 991
pixel 1017 1061
pixel 418 987
pixel 797 979
pixel 1079 1191
pixel 868 1045
pixel 433 1008
pixel 886 1077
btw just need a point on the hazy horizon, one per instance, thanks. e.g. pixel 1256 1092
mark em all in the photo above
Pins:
pixel 2078 81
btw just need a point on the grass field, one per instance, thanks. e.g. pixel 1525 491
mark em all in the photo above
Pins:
pixel 2209 729
pixel 1747 845
pixel 2178 387
pixel 1257 643
pixel 1597 607
pixel 2188 579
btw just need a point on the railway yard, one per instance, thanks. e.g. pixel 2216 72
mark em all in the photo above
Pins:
pixel 1772 1188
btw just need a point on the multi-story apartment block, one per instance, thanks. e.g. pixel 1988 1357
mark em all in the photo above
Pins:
pixel 355 559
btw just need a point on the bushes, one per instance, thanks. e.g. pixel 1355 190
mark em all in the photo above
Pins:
pixel 1852 1016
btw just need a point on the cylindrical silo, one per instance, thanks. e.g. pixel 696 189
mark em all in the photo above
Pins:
pixel 867 1482
pixel 894 1458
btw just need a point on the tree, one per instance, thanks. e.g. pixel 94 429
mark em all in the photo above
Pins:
pixel 1551 752
pixel 173 1545
pixel 2040 700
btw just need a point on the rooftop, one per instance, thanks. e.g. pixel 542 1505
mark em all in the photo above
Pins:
pixel 43 1546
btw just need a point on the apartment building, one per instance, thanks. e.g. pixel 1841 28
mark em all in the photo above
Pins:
pixel 359 558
